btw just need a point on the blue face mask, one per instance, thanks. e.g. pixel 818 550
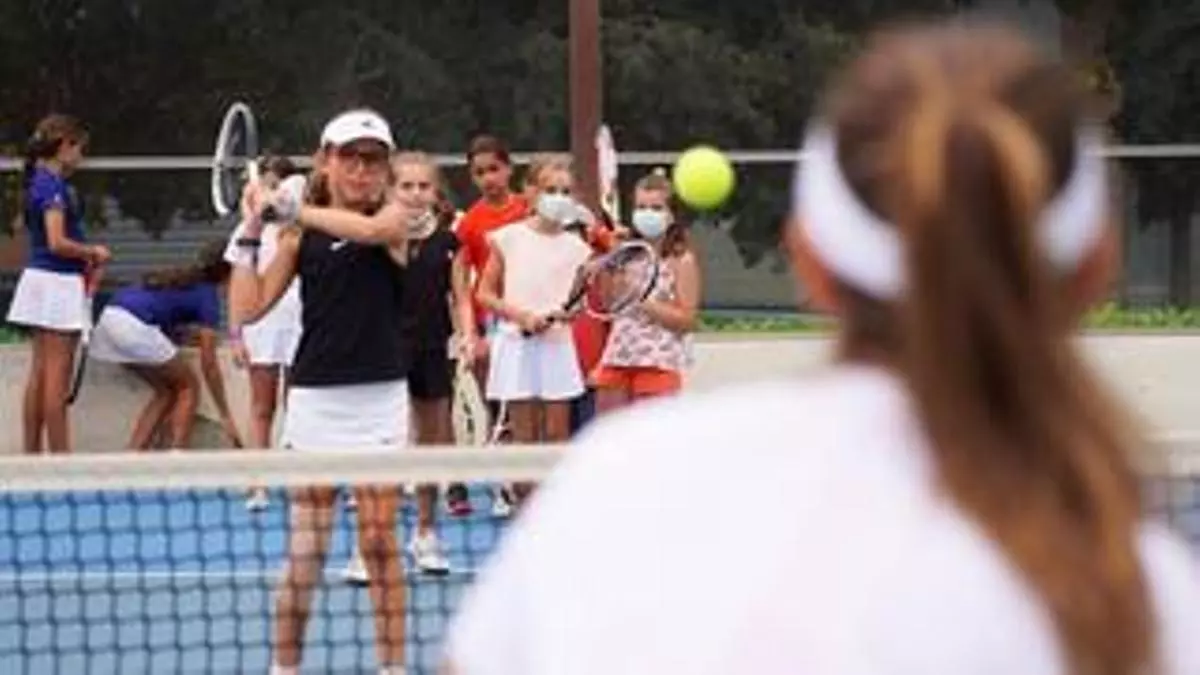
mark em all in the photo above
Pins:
pixel 555 208
pixel 650 223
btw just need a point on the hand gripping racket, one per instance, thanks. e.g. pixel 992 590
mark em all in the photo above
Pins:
pixel 613 283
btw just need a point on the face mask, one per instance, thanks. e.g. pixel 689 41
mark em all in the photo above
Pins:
pixel 555 208
pixel 650 223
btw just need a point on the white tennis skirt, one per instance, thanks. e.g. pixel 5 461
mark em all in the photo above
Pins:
pixel 543 367
pixel 271 345
pixel 273 339
pixel 50 300
pixel 121 337
pixel 347 418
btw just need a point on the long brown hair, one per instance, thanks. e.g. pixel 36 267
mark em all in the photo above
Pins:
pixel 210 267
pixel 959 136
pixel 675 241
pixel 48 136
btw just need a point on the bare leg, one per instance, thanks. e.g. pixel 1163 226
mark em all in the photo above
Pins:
pixel 433 428
pixel 381 555
pixel 308 539
pixel 161 402
pixel 264 393
pixel 33 418
pixel 524 420
pixel 58 363
pixel 608 400
pixel 187 399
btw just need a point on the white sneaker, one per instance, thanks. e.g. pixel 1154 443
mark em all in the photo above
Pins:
pixel 502 502
pixel 356 570
pixel 257 500
pixel 426 550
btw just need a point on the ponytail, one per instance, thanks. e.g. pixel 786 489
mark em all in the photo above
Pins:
pixel 1023 439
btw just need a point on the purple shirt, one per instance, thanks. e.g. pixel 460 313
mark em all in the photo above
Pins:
pixel 48 191
pixel 172 308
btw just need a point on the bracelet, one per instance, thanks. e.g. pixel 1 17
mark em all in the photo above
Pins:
pixel 248 242
pixel 235 333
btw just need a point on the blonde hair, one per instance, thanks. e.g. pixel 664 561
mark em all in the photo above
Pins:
pixel 546 161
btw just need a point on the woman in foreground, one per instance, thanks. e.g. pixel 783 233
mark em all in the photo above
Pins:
pixel 955 495
pixel 347 385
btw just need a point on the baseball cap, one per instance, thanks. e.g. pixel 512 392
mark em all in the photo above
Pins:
pixel 355 125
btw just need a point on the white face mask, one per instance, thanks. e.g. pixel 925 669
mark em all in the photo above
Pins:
pixel 650 223
pixel 555 208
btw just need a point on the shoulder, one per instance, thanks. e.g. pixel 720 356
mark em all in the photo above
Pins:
pixel 48 187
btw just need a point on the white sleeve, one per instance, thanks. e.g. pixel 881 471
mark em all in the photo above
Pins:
pixel 232 255
pixel 1174 577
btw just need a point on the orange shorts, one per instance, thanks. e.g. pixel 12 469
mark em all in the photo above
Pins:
pixel 637 381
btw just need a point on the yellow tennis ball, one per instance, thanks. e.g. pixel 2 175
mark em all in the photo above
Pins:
pixel 703 177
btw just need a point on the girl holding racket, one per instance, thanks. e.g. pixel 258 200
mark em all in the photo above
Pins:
pixel 528 276
pixel 139 329
pixel 347 386
pixel 647 349
pixel 51 297
pixel 956 494
pixel 437 309
pixel 266 347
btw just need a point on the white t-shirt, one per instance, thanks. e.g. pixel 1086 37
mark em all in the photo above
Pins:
pixel 285 315
pixel 784 527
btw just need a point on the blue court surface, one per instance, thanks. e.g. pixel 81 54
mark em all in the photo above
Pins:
pixel 179 582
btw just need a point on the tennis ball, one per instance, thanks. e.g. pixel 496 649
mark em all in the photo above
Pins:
pixel 703 177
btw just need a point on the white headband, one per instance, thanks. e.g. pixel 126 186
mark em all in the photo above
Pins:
pixel 866 252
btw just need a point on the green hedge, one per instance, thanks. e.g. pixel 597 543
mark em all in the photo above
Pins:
pixel 1107 317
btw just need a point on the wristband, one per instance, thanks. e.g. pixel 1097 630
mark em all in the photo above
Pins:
pixel 235 333
pixel 249 242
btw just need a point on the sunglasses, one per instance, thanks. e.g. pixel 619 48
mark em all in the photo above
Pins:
pixel 369 157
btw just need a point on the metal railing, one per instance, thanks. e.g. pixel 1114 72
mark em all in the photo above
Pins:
pixel 636 158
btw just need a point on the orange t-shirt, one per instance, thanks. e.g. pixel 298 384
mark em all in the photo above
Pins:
pixel 473 229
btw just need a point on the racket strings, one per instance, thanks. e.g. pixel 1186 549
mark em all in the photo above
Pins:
pixel 621 282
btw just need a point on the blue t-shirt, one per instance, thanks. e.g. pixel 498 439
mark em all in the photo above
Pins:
pixel 49 191
pixel 172 308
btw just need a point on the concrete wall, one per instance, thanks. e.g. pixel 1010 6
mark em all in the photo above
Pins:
pixel 1157 374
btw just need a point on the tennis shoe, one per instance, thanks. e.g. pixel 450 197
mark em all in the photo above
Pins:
pixel 257 501
pixel 426 550
pixel 502 502
pixel 356 570
pixel 458 501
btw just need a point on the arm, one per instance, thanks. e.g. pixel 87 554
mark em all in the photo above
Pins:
pixel 62 245
pixel 488 293
pixel 680 315
pixel 210 367
pixel 462 311
pixel 252 295
pixel 388 226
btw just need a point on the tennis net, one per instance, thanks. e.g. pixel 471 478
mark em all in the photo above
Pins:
pixel 153 564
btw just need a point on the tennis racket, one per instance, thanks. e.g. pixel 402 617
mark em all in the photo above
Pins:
pixel 91 281
pixel 234 158
pixel 613 283
pixel 606 157
pixel 469 411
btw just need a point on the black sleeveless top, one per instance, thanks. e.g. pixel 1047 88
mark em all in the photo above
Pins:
pixel 352 314
pixel 426 303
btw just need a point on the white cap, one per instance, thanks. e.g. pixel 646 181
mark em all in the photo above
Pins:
pixel 357 125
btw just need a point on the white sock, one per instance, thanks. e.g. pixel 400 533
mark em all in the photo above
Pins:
pixel 391 670
pixel 277 669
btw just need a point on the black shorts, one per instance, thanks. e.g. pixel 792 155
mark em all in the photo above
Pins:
pixel 431 376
